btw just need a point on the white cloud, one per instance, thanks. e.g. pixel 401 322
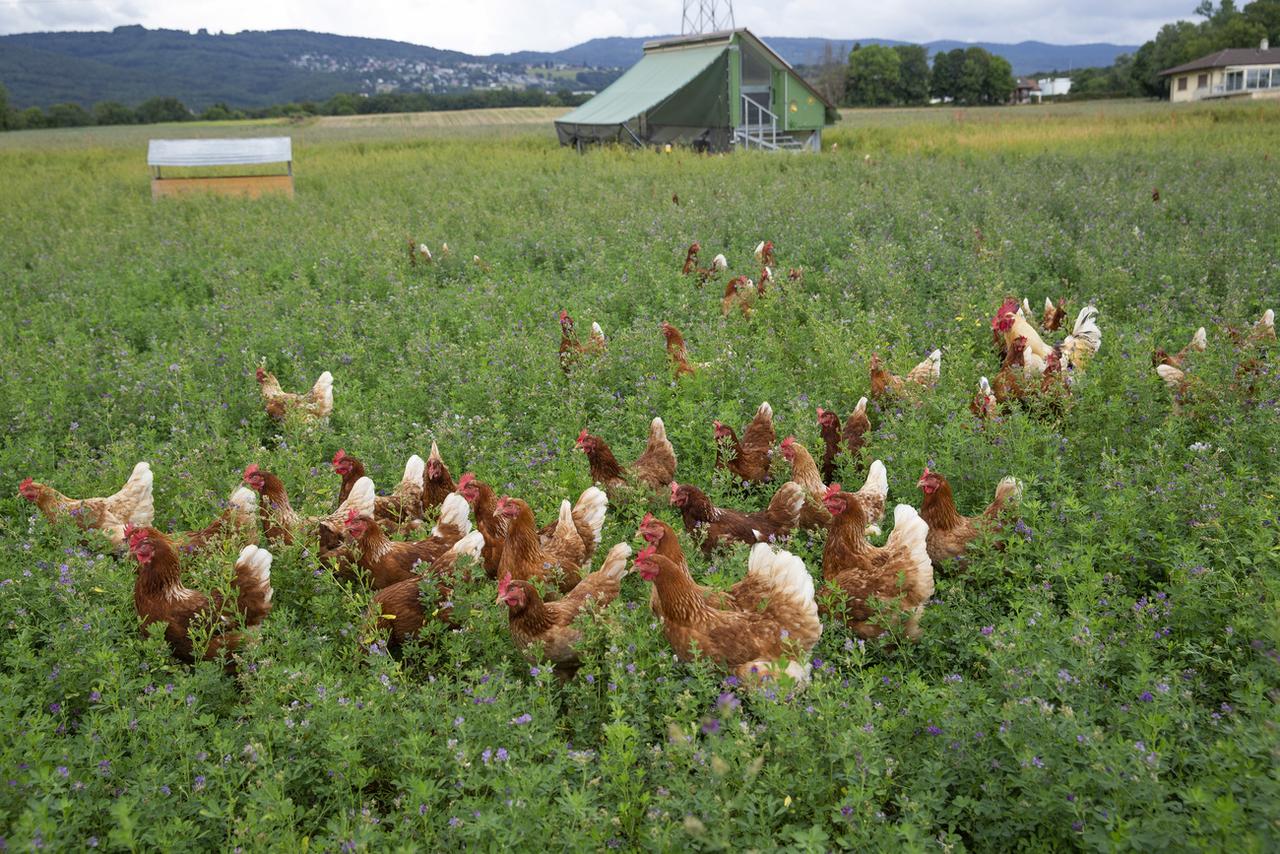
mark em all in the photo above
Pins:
pixel 490 26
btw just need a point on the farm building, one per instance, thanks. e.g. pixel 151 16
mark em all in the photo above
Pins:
pixel 1233 73
pixel 714 91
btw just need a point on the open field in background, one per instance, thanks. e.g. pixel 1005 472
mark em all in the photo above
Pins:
pixel 1107 681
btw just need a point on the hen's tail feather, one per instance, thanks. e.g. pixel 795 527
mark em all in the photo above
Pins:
pixel 361 499
pixel 470 546
pixel 1172 377
pixel 910 533
pixel 615 563
pixel 322 392
pixel 877 480
pixel 861 408
pixel 137 490
pixel 413 471
pixel 1266 325
pixel 454 511
pixel 590 510
pixel 784 573
pixel 253 584
pixel 1009 489
pixel 435 453
pixel 786 503
pixel 244 499
pixel 1199 342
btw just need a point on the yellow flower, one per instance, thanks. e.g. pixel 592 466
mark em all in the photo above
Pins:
pixel 786 802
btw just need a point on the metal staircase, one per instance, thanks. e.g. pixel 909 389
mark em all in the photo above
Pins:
pixel 759 130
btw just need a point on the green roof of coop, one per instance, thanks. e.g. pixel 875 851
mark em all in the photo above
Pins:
pixel 652 80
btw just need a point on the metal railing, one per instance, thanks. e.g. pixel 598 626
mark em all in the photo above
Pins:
pixel 763 131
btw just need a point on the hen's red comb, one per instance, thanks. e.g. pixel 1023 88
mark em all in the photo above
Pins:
pixel 646 553
pixel 833 489
pixel 250 470
pixel 504 584
pixel 339 457
pixel 466 479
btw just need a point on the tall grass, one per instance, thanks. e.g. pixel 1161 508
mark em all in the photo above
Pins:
pixel 1106 680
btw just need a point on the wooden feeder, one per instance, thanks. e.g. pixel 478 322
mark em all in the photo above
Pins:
pixel 197 153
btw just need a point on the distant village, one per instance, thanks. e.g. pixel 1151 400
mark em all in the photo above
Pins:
pixel 383 75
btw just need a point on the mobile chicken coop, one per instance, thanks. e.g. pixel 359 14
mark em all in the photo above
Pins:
pixel 714 91
pixel 206 153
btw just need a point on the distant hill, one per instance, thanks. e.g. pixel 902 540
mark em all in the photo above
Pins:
pixel 258 69
pixel 1025 57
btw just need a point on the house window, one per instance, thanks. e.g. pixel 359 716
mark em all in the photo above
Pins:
pixel 1235 81
pixel 1202 82
pixel 1182 84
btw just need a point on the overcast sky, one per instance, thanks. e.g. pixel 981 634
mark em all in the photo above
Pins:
pixel 491 26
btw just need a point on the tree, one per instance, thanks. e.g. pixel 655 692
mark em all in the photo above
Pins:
pixel 1266 14
pixel 68 115
pixel 945 78
pixel 155 110
pixel 30 118
pixel 998 84
pixel 873 76
pixel 830 80
pixel 5 120
pixel 913 73
pixel 112 113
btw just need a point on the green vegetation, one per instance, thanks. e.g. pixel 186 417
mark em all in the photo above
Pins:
pixel 1106 680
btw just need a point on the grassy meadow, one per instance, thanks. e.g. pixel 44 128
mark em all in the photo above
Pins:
pixel 1106 681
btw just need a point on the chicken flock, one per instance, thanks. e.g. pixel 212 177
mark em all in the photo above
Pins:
pixel 411 545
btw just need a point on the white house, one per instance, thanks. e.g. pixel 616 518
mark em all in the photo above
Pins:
pixel 1245 72
pixel 1050 86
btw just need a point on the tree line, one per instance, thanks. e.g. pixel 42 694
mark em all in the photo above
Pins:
pixel 168 109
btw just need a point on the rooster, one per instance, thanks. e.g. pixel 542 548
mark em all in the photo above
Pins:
pixel 854 435
pixel 132 505
pixel 1198 343
pixel 983 405
pixel 804 472
pixel 437 483
pixel 403 508
pixel 571 350
pixel 691 259
pixel 526 557
pixel 923 375
pixel 236 524
pixel 748 459
pixel 764 253
pixel 651 471
pixel 721 526
pixel 795 275
pixel 160 597
pixel 949 532
pixel 282 524
pixel 315 404
pixel 739 291
pixel 1075 350
pixel 400 607
pixel 676 351
pixel 1053 315
pixel 856 571
pixel 750 643
pixel 548 627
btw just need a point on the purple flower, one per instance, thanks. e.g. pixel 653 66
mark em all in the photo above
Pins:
pixel 486 755
pixel 501 755
pixel 933 730
pixel 62 769
pixel 1145 697
pixel 523 719
pixel 54 708
pixel 846 810
pixel 710 726
pixel 727 702
pixel 422 809
pixel 199 783
pixel 533 671
pixel 987 630
pixel 104 767
pixel 454 821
